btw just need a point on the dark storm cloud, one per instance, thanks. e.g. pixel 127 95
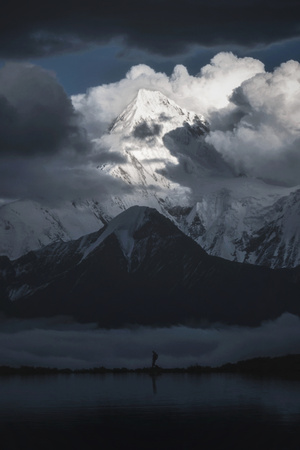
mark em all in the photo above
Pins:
pixel 103 154
pixel 144 130
pixel 108 157
pixel 54 181
pixel 161 26
pixel 36 115
pixel 45 153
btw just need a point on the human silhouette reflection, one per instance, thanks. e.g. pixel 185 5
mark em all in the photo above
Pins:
pixel 153 377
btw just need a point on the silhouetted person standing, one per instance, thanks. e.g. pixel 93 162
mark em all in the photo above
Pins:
pixel 154 358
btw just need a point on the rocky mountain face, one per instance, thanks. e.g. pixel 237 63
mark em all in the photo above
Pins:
pixel 168 165
pixel 248 222
pixel 28 225
pixel 277 242
pixel 141 269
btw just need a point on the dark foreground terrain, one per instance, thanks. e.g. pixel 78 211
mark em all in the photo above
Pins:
pixel 141 269
pixel 282 366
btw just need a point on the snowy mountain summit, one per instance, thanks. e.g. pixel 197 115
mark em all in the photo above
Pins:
pixel 167 139
pixel 164 149
pixel 165 162
pixel 154 108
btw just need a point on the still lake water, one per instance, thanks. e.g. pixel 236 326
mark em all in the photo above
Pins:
pixel 137 411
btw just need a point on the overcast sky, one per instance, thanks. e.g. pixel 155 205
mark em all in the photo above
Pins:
pixel 95 42
pixel 68 70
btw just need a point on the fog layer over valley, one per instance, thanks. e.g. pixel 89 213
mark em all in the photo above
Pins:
pixel 61 343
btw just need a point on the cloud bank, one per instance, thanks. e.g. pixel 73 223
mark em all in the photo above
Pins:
pixel 263 117
pixel 57 343
pixel 45 153
pixel 28 31
pixel 203 94
pixel 253 114
pixel 37 117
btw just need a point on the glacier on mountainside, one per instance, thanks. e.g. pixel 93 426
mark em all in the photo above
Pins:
pixel 167 164
pixel 27 225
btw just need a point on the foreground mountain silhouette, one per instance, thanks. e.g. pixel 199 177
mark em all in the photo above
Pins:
pixel 141 269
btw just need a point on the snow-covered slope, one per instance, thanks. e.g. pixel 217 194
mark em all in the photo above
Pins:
pixel 27 225
pixel 124 226
pixel 277 242
pixel 249 221
pixel 158 112
pixel 167 165
pixel 164 150
pixel 172 169
pixel 141 269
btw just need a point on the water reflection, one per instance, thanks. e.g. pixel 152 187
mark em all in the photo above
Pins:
pixel 140 411
pixel 153 377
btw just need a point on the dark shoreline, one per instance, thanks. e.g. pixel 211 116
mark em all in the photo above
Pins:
pixel 283 366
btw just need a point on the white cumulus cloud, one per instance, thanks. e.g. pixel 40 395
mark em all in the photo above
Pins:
pixel 263 118
pixel 204 93
pixel 254 115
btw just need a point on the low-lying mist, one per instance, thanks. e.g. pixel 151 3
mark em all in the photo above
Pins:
pixel 61 343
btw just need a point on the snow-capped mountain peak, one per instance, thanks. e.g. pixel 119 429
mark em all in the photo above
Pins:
pixel 123 226
pixel 166 164
pixel 141 269
pixel 154 107
pixel 164 151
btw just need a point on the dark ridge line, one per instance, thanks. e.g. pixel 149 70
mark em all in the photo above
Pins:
pixel 282 366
